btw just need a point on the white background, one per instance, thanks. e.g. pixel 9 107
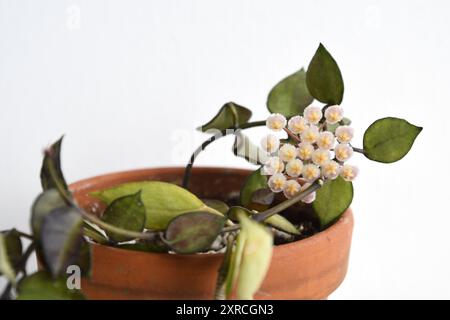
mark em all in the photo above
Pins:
pixel 128 81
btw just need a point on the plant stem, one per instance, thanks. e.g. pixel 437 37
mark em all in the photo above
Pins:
pixel 359 150
pixel 25 235
pixel 262 216
pixel 94 236
pixel 116 230
pixel 292 135
pixel 223 133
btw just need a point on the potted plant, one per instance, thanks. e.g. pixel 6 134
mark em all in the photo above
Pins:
pixel 282 231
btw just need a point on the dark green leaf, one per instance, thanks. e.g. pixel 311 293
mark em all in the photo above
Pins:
pixel 61 239
pixel 128 213
pixel 290 96
pixel 332 199
pixel 254 182
pixel 41 286
pixel 389 139
pixel 46 202
pixel 218 205
pixel 244 148
pixel 231 115
pixel 193 232
pixel 263 196
pixel 324 78
pixel 51 173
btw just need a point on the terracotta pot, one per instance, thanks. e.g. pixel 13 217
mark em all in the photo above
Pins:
pixel 308 269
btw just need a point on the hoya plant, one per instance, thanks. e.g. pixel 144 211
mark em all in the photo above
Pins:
pixel 302 166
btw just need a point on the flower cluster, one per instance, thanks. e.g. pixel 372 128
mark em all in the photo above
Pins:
pixel 311 152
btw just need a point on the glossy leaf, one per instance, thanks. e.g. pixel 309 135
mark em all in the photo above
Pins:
pixel 277 221
pixel 255 181
pixel 51 173
pixel 244 148
pixel 332 199
pixel 231 115
pixel 128 213
pixel 6 266
pixel 263 196
pixel 41 286
pixel 61 239
pixel 193 232
pixel 389 139
pixel 290 96
pixel 324 79
pixel 45 203
pixel 163 201
pixel 218 205
pixel 256 257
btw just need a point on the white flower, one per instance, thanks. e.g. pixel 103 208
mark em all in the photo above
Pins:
pixel 330 169
pixel 272 166
pixel 291 188
pixel 326 140
pixel 297 124
pixel 310 197
pixel 276 122
pixel 313 114
pixel 305 150
pixel 276 182
pixel 320 156
pixel 334 114
pixel 310 172
pixel 349 172
pixel 287 152
pixel 294 168
pixel 310 135
pixel 344 134
pixel 270 143
pixel 343 152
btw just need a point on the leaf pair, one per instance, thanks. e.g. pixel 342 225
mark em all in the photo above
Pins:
pixel 322 81
pixel 56 223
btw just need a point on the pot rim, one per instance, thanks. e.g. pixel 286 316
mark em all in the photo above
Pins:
pixel 338 224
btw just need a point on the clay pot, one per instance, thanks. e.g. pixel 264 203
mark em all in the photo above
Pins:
pixel 308 269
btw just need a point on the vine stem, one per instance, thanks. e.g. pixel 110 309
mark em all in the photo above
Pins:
pixel 262 216
pixel 359 150
pixel 118 231
pixel 223 133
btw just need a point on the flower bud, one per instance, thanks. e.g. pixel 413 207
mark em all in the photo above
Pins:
pixel 334 114
pixel 276 182
pixel 276 122
pixel 297 124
